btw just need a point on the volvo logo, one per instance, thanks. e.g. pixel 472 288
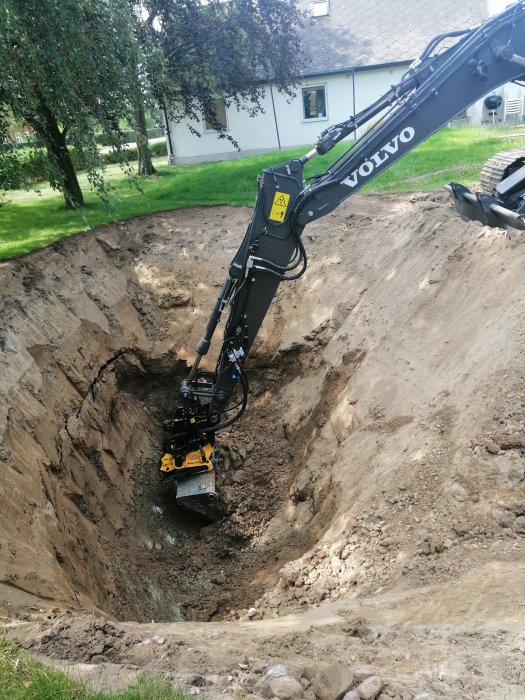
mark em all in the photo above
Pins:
pixel 373 162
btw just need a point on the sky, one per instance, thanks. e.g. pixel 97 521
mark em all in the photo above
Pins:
pixel 496 6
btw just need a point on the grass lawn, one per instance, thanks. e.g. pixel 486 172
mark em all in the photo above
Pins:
pixel 23 678
pixel 37 217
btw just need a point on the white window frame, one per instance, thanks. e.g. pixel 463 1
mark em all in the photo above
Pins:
pixel 320 5
pixel 316 86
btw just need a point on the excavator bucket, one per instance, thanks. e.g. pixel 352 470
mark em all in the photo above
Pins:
pixel 501 204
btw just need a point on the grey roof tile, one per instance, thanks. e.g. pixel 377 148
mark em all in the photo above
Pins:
pixel 361 33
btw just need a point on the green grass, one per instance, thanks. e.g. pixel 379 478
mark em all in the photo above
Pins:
pixel 23 678
pixel 37 217
pixel 454 154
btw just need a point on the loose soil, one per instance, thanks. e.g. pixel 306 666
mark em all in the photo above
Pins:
pixel 374 489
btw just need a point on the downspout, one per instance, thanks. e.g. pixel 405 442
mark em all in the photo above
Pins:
pixel 275 117
pixel 353 98
pixel 171 156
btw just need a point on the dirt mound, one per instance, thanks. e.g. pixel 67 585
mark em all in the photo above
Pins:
pixel 383 451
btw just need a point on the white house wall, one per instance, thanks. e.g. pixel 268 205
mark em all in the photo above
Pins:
pixel 258 134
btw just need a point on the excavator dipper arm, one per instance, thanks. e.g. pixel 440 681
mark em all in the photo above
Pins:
pixel 439 85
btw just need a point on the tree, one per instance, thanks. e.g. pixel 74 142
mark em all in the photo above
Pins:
pixel 204 50
pixel 70 65
pixel 145 163
pixel 66 66
pixel 149 62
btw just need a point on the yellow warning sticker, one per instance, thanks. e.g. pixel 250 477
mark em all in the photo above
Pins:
pixel 279 206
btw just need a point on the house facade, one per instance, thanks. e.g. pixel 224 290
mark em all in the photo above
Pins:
pixel 355 50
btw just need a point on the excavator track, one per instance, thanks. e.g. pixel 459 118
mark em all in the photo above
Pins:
pixel 499 167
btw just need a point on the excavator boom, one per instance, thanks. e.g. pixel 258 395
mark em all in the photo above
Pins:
pixel 439 85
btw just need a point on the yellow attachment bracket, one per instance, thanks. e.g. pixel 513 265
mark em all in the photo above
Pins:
pixel 198 460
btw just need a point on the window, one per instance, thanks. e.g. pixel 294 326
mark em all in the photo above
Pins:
pixel 314 102
pixel 220 112
pixel 320 8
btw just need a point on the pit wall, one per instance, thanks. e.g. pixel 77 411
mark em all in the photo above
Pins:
pixel 72 314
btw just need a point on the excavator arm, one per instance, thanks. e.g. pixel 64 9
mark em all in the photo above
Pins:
pixel 438 86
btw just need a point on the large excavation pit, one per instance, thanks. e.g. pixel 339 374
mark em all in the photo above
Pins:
pixel 143 556
pixel 380 461
pixel 98 336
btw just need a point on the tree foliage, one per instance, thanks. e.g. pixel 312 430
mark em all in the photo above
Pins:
pixel 66 65
pixel 203 50
pixel 71 67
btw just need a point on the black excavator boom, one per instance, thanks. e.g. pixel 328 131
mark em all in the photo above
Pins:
pixel 436 87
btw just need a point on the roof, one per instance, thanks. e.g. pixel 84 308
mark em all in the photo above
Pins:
pixel 360 33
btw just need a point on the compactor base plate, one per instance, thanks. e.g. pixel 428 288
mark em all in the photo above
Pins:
pixel 197 494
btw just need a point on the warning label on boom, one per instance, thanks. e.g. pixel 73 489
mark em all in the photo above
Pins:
pixel 279 206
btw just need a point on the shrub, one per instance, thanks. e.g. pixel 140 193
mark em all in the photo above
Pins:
pixel 20 167
pixel 10 170
pixel 129 136
pixel 159 149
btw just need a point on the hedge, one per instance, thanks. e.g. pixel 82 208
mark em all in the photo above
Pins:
pixel 156 149
pixel 25 166
pixel 130 136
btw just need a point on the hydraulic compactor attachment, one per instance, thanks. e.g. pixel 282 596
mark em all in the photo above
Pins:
pixel 195 480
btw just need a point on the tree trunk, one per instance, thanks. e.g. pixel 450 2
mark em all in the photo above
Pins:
pixel 145 165
pixel 47 128
pixel 70 187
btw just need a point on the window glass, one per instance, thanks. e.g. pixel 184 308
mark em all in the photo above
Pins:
pixel 220 111
pixel 320 8
pixel 314 102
